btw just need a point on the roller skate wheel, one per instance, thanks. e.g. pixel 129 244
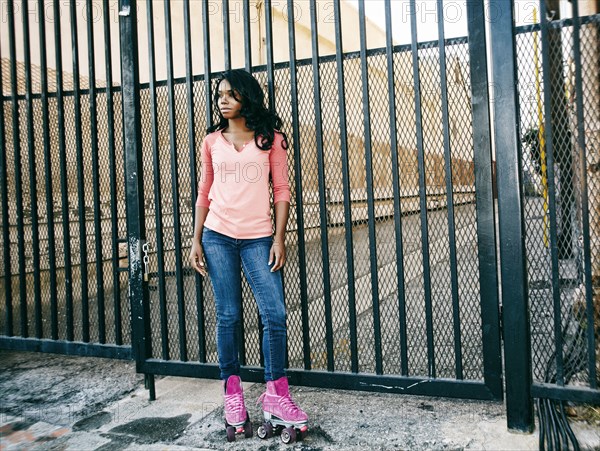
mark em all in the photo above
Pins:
pixel 265 431
pixel 230 434
pixel 288 435
pixel 248 432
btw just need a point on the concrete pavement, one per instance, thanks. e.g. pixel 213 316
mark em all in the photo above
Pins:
pixel 52 402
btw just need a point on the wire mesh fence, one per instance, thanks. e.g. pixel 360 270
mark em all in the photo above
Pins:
pixel 167 161
pixel 61 294
pixel 560 185
pixel 433 287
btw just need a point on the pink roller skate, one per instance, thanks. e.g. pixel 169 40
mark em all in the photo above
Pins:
pixel 281 414
pixel 237 419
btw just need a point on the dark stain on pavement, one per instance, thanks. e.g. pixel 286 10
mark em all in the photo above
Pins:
pixel 117 442
pixel 14 427
pixel 427 407
pixel 154 429
pixel 93 422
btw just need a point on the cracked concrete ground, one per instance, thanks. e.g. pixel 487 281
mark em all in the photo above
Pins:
pixel 54 402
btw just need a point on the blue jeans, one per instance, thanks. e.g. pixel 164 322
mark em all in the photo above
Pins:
pixel 225 256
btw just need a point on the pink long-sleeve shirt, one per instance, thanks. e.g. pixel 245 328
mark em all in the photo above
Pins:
pixel 234 185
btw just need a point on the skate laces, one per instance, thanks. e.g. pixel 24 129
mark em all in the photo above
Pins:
pixel 288 404
pixel 234 404
pixel 285 402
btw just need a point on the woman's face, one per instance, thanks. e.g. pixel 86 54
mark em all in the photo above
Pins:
pixel 228 106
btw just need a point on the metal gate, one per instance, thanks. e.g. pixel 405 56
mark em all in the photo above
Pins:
pixel 392 279
pixel 546 130
pixel 64 270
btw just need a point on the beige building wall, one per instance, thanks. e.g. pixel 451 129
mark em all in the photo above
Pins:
pixel 48 41
pixel 325 26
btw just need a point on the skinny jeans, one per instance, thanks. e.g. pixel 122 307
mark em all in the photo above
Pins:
pixel 225 256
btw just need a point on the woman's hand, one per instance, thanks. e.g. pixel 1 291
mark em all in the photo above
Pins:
pixel 277 254
pixel 197 258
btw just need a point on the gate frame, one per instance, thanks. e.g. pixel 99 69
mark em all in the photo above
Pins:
pixel 134 187
pixel 490 388
pixel 515 300
pixel 486 215
pixel 520 387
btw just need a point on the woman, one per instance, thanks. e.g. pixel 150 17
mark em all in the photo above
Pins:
pixel 233 232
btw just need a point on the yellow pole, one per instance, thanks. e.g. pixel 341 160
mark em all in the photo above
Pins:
pixel 541 136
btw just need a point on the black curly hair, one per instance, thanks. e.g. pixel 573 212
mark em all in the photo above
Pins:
pixel 260 119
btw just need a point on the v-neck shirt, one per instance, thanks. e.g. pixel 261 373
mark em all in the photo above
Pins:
pixel 230 142
pixel 234 185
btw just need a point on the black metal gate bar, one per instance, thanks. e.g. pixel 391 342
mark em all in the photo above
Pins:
pixel 35 237
pixel 298 184
pixel 422 192
pixel 193 166
pixel 550 160
pixel 48 174
pixel 175 184
pixel 8 314
pixel 201 319
pixel 484 199
pixel 247 37
pixel 207 62
pixel 449 194
pixel 269 50
pixel 226 34
pixel 271 100
pixel 585 214
pixel 209 115
pixel 370 193
pixel 396 186
pixel 450 388
pixel 112 175
pixel 64 184
pixel 517 346
pixel 160 255
pixel 562 23
pixel 242 351
pixel 565 393
pixel 16 133
pixel 95 175
pixel 241 326
pixel 339 59
pixel 321 177
pixel 67 347
pixel 392 384
pixel 83 268
pixel 136 227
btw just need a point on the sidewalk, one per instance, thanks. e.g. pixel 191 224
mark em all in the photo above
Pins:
pixel 52 402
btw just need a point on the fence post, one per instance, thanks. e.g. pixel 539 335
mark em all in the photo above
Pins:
pixel 517 347
pixel 134 188
pixel 486 218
